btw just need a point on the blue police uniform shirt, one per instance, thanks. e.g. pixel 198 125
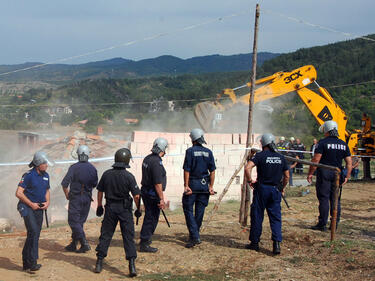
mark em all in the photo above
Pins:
pixel 199 162
pixel 270 167
pixel 333 151
pixel 80 173
pixel 153 172
pixel 35 185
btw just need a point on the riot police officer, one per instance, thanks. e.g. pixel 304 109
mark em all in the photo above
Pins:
pixel 271 168
pixel 329 151
pixel 199 176
pixel 34 195
pixel 116 184
pixel 82 177
pixel 154 180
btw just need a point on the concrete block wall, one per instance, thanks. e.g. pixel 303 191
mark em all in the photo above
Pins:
pixel 228 150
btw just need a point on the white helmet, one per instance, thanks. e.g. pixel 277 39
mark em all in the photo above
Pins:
pixel 268 140
pixel 291 139
pixel 160 145
pixel 40 157
pixel 282 138
pixel 83 153
pixel 329 127
pixel 197 135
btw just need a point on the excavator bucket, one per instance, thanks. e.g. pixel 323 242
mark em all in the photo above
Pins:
pixel 205 113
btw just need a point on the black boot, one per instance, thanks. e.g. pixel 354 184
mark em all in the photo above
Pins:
pixel 276 248
pixel 99 265
pixel 192 243
pixel 25 265
pixel 35 267
pixel 253 246
pixel 84 246
pixel 146 248
pixel 319 227
pixel 72 247
pixel 132 270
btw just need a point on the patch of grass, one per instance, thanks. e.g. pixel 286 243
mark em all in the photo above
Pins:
pixel 194 276
pixel 350 260
pixel 341 246
pixel 300 260
pixel 251 274
pixel 296 260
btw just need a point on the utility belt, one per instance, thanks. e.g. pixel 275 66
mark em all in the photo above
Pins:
pixel 127 203
pixel 81 191
pixel 277 186
pixel 198 184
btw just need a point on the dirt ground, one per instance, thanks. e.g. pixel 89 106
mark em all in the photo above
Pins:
pixel 306 254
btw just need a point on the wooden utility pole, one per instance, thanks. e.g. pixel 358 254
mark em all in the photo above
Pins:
pixel 245 190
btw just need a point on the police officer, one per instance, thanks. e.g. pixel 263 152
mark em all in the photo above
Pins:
pixel 329 151
pixel 82 177
pixel 271 168
pixel 116 184
pixel 199 176
pixel 154 181
pixel 34 195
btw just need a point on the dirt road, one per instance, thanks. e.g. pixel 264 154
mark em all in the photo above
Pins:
pixel 306 254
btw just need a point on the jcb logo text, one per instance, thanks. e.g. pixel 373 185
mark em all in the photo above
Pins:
pixel 292 77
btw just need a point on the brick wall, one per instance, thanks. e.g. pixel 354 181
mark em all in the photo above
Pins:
pixel 228 150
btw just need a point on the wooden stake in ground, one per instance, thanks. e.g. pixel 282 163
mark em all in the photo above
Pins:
pixel 245 192
pixel 225 190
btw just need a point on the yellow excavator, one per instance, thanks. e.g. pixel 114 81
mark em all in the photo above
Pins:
pixel 321 105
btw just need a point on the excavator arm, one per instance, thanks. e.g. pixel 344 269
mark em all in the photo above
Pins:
pixel 278 84
pixel 321 105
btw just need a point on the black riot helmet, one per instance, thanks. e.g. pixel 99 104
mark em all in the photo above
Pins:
pixel 122 158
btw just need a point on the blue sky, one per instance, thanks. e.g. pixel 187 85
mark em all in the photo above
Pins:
pixel 48 30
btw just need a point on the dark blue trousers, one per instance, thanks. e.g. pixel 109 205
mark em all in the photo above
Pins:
pixel 78 210
pixel 114 213
pixel 325 183
pixel 269 198
pixel 33 222
pixel 151 218
pixel 194 219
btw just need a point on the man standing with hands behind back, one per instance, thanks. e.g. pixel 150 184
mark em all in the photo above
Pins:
pixel 199 176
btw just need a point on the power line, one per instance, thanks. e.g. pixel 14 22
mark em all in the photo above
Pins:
pixel 347 34
pixel 125 44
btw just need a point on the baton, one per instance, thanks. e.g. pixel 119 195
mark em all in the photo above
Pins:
pixel 286 202
pixel 45 213
pixel 165 218
pixel 201 192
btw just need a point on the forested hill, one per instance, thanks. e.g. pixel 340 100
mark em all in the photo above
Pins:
pixel 123 68
pixel 346 69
